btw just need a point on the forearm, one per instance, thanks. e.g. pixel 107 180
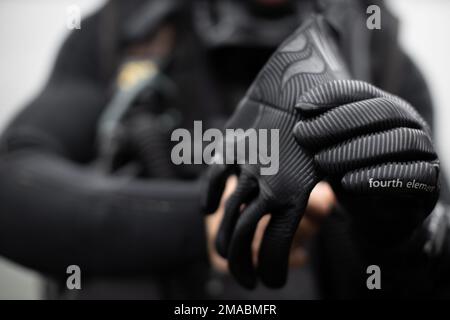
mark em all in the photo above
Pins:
pixel 54 214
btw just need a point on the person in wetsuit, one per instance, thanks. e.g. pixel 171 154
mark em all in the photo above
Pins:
pixel 120 209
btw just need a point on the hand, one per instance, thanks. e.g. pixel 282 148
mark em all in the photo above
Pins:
pixel 377 151
pixel 304 60
pixel 320 203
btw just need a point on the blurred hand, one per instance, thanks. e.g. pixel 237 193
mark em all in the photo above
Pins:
pixel 320 203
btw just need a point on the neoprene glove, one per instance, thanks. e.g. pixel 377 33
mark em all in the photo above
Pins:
pixel 376 150
pixel 306 59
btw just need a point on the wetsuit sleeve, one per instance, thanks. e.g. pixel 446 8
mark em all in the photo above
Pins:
pixel 55 211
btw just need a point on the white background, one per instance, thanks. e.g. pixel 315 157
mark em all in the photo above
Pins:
pixel 32 31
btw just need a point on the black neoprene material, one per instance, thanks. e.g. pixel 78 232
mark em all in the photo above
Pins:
pixel 348 131
pixel 358 132
pixel 378 153
pixel 57 211
pixel 58 128
pixel 304 60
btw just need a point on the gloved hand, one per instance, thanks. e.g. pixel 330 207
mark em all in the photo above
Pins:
pixel 376 150
pixel 306 59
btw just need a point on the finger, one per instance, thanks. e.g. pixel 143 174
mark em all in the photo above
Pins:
pixel 216 178
pixel 245 189
pixel 352 120
pixel 275 247
pixel 397 145
pixel 393 178
pixel 240 252
pixel 335 93
pixel 321 202
pixel 257 238
pixel 214 220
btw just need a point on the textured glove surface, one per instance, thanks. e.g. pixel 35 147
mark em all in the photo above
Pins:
pixel 375 149
pixel 305 60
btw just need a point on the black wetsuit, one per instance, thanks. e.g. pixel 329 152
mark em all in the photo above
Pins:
pixel 140 237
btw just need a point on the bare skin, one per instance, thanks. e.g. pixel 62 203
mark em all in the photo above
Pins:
pixel 320 203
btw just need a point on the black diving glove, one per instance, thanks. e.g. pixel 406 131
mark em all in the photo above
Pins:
pixel 377 152
pixel 306 59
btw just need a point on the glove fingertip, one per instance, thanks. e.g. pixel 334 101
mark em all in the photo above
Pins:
pixel 273 281
pixel 301 134
pixel 248 280
pixel 297 131
pixel 306 106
